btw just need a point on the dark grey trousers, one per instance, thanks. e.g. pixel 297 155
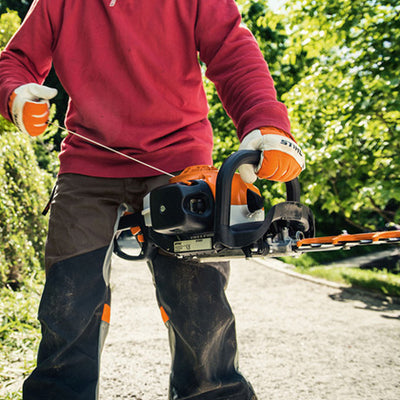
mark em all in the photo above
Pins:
pixel 74 309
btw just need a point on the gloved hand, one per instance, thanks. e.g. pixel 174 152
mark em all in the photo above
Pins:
pixel 282 159
pixel 29 106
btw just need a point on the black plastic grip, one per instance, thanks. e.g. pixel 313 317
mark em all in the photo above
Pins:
pixel 225 235
pixel 126 222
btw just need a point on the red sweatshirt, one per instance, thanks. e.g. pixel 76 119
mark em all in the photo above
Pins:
pixel 131 70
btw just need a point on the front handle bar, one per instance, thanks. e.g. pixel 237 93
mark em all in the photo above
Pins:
pixel 225 235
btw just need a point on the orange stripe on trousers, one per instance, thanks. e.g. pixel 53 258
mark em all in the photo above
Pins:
pixel 106 313
pixel 164 315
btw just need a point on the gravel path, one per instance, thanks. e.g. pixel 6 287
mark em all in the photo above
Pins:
pixel 297 339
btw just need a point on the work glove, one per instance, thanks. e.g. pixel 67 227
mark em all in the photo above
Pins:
pixel 29 106
pixel 281 159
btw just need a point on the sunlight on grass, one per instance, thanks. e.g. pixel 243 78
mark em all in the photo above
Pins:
pixel 379 281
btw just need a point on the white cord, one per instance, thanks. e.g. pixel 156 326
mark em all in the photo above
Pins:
pixel 110 149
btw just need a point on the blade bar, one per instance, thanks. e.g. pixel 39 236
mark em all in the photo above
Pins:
pixel 339 241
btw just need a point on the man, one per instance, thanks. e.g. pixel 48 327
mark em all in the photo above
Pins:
pixel 131 70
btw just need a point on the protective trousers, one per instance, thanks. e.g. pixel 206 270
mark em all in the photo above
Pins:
pixel 75 306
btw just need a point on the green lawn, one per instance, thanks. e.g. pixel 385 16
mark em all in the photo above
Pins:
pixel 378 280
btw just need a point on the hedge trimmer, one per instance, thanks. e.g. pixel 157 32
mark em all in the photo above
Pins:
pixel 207 214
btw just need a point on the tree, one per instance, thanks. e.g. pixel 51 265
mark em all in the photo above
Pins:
pixel 21 6
pixel 346 111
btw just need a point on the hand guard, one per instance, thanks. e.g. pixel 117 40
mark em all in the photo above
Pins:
pixel 29 107
pixel 282 159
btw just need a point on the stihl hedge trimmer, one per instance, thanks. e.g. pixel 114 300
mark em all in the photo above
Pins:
pixel 208 214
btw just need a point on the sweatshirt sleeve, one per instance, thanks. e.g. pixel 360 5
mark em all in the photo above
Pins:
pixel 27 57
pixel 237 67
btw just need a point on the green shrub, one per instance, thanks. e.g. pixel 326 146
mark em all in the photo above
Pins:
pixel 25 189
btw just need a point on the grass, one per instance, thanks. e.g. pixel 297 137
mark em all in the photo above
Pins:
pixel 19 335
pixel 380 281
pixel 377 280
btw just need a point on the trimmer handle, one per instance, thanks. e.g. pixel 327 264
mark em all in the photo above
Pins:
pixel 125 223
pixel 228 236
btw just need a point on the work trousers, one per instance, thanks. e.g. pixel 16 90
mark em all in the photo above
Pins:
pixel 75 306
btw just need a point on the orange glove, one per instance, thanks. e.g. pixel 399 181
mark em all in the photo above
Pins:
pixel 282 159
pixel 29 107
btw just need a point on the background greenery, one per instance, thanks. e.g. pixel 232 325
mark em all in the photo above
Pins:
pixel 27 168
pixel 335 66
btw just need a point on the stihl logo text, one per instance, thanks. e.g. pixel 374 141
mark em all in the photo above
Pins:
pixel 293 146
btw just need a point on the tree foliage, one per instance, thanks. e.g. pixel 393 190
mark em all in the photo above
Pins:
pixel 21 6
pixel 346 110
pixel 335 65
pixel 9 23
